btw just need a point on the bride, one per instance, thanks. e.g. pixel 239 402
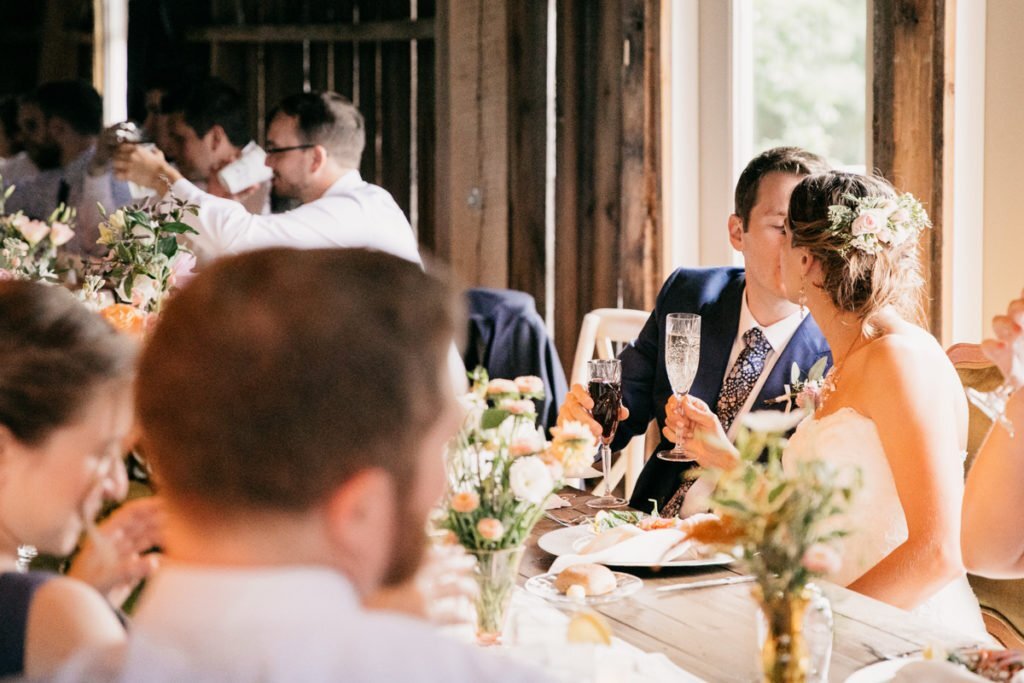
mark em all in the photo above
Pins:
pixel 892 404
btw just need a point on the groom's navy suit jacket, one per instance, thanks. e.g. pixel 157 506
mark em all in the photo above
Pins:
pixel 716 295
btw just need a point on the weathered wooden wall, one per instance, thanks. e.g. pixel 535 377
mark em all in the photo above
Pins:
pixel 912 126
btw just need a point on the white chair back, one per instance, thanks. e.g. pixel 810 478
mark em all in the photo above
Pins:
pixel 601 330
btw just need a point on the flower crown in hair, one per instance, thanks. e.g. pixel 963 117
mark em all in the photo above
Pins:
pixel 874 223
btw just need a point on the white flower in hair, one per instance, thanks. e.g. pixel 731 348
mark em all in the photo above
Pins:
pixel 874 223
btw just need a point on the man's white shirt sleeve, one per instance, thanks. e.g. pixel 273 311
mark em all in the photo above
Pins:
pixel 351 213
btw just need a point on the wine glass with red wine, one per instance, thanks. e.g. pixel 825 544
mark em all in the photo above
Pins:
pixel 606 389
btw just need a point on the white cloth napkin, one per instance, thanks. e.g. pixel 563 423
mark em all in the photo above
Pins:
pixel 648 547
pixel 554 502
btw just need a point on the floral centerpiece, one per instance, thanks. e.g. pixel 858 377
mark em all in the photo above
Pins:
pixel 501 471
pixel 28 248
pixel 778 521
pixel 145 259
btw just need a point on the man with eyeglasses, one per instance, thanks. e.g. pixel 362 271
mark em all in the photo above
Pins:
pixel 314 145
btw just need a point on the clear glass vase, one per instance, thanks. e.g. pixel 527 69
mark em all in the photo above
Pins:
pixel 794 631
pixel 496 573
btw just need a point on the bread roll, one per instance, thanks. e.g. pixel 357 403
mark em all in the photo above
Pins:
pixel 596 579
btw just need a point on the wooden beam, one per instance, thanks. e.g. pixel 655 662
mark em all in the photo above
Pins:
pixel 913 118
pixel 374 31
pixel 472 151
pixel 639 238
pixel 527 121
pixel 569 155
pixel 59 47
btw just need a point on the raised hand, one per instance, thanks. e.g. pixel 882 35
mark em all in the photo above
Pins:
pixel 1006 349
pixel 702 434
pixel 144 165
pixel 577 407
pixel 112 558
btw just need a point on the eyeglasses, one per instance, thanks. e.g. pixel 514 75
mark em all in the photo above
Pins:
pixel 278 150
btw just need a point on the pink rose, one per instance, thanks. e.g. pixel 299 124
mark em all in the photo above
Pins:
pixel 520 406
pixel 526 445
pixel 529 384
pixel 900 216
pixel 821 559
pixel 6 275
pixel 465 502
pixel 809 396
pixel 869 222
pixel 490 529
pixel 60 234
pixel 32 230
pixel 182 269
pixel 501 386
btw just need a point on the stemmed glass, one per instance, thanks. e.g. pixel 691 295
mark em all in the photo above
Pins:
pixel 606 389
pixel 26 553
pixel 682 354
pixel 993 403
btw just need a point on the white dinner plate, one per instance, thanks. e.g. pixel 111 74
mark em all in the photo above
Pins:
pixel 568 540
pixel 544 586
pixel 881 672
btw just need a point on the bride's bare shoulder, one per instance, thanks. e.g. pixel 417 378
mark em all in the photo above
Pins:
pixel 909 354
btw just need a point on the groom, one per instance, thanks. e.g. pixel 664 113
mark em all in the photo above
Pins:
pixel 751 334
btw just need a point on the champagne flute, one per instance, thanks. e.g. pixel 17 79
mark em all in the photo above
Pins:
pixel 682 354
pixel 606 389
pixel 993 403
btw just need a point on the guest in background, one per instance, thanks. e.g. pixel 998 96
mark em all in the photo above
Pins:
pixel 207 129
pixel 314 145
pixel 746 321
pixel 60 122
pixel 14 162
pixel 992 535
pixel 65 414
pixel 298 462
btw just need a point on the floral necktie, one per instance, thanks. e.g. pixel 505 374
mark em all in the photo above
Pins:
pixel 735 390
pixel 743 376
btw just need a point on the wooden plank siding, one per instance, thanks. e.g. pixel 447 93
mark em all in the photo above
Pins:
pixel 527 119
pixel 912 126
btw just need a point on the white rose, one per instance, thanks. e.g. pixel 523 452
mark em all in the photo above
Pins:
pixel 530 479
pixel 144 290
pixel 772 421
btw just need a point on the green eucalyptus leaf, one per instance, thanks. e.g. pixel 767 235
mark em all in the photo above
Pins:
pixel 179 228
pixel 493 417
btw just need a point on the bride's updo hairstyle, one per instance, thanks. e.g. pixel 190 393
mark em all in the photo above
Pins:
pixel 866 239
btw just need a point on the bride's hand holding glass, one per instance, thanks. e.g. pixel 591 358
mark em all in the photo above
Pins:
pixel 702 434
pixel 1007 352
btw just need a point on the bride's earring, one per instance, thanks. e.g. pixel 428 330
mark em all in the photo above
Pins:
pixel 802 300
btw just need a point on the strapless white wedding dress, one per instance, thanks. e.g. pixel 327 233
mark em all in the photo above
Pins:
pixel 875 518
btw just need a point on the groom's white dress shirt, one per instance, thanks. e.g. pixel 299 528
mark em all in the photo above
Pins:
pixel 278 625
pixel 351 213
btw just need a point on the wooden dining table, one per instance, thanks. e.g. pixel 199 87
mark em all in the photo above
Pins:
pixel 711 632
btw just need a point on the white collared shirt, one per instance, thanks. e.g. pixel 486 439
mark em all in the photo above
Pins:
pixel 778 335
pixel 351 213
pixel 280 624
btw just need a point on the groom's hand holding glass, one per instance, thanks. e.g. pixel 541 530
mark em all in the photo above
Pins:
pixel 701 432
pixel 577 407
